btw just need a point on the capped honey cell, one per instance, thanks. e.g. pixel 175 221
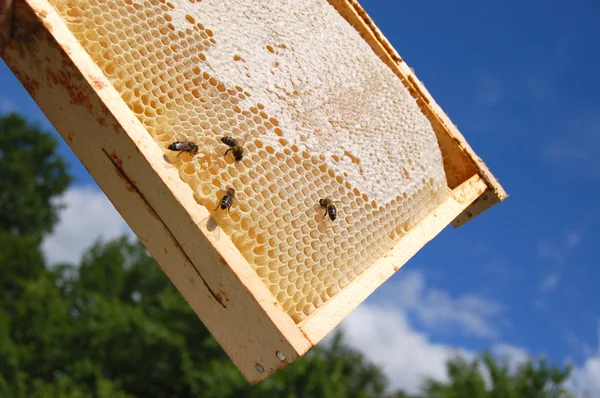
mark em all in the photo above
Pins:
pixel 345 128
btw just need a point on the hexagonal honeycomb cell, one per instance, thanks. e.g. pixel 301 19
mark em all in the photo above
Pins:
pixel 318 113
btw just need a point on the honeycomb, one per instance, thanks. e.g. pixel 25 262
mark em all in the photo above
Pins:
pixel 319 115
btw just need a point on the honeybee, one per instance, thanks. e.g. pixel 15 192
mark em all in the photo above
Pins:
pixel 330 208
pixel 235 146
pixel 227 199
pixel 184 146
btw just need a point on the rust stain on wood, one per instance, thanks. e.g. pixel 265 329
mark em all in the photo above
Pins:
pixel 150 210
pixel 222 298
pixel 63 78
pixel 121 172
pixel 116 158
pixel 97 83
pixel 282 365
pixel 225 296
pixel 30 84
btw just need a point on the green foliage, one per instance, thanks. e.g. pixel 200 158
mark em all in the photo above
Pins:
pixel 32 174
pixel 117 319
pixel 137 329
pixel 534 379
pixel 21 261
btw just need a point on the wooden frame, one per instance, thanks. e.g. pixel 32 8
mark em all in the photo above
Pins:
pixel 460 161
pixel 212 275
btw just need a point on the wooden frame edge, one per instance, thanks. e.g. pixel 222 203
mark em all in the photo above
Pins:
pixel 177 227
pixel 336 309
pixel 353 12
pixel 128 165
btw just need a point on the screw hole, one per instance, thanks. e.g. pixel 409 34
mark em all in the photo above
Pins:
pixel 280 356
pixel 259 368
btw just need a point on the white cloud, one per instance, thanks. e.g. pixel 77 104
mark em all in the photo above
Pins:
pixel 541 80
pixel 580 347
pixel 6 105
pixel 573 238
pixel 489 89
pixel 514 355
pixel 573 150
pixel 408 356
pixel 383 333
pixel 468 314
pixel 547 250
pixel 88 215
pixel 557 252
pixel 550 281
pixel 405 355
pixel 587 377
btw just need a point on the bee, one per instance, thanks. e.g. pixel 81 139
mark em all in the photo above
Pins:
pixel 329 206
pixel 235 146
pixel 184 146
pixel 227 199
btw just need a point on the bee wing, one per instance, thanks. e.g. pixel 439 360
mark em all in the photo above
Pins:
pixel 247 137
pixel 175 135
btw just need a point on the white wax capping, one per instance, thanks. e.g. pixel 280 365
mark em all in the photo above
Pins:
pixel 348 103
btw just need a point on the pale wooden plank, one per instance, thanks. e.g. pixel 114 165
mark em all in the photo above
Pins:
pixel 223 289
pixel 460 161
pixel 320 323
pixel 481 204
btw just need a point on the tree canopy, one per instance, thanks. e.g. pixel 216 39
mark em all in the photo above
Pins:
pixel 534 379
pixel 114 325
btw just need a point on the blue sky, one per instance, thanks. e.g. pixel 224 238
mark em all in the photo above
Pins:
pixel 519 80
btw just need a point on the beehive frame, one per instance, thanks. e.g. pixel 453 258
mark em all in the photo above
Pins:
pixel 212 275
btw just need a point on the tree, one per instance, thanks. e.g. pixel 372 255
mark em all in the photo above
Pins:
pixel 534 379
pixel 33 175
pixel 138 331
